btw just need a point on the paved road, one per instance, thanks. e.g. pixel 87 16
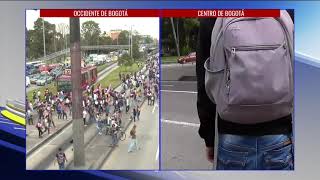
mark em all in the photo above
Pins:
pixel 181 146
pixel 147 158
pixel 32 133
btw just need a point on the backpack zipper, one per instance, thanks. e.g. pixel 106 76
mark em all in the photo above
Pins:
pixel 257 47
pixel 228 81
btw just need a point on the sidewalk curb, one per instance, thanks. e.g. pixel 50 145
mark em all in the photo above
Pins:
pixel 34 148
pixel 97 165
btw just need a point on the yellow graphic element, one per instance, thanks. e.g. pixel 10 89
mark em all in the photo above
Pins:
pixel 13 117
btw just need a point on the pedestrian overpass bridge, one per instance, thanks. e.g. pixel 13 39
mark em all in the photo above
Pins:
pixel 89 48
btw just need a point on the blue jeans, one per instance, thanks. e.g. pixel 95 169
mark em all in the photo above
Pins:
pixel 269 152
pixel 61 166
pixel 133 145
pixel 114 139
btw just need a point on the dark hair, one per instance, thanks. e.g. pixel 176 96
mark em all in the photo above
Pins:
pixel 60 149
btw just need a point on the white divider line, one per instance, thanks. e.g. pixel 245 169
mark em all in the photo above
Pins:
pixel 180 123
pixel 167 85
pixel 190 92
pixel 157 154
pixel 154 108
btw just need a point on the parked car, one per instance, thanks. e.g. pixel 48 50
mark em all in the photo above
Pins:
pixel 44 79
pixel 27 81
pixel 108 59
pixel 191 57
pixel 31 71
pixel 44 68
pixel 34 78
pixel 56 72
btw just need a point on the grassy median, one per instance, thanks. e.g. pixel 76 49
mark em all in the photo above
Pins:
pixel 52 88
pixel 103 66
pixel 113 77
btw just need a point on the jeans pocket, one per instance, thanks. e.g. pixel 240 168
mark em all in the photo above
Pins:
pixel 231 160
pixel 279 158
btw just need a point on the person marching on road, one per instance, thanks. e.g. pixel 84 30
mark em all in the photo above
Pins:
pixel 152 99
pixel 134 142
pixel 149 97
pixel 114 135
pixel 61 159
pixel 127 104
pixel 39 128
pixel 99 124
pixel 64 112
pixel 138 113
pixel 134 114
pixel 84 116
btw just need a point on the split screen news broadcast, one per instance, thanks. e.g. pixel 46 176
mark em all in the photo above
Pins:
pixel 196 92
pixel 108 114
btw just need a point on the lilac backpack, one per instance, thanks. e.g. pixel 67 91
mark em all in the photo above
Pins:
pixel 249 74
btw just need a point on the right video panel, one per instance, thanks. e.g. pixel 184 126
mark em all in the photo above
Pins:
pixel 227 93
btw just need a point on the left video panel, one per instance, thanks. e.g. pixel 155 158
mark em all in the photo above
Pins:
pixel 92 92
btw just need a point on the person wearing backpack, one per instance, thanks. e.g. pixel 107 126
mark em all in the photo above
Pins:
pixel 61 159
pixel 39 128
pixel 245 91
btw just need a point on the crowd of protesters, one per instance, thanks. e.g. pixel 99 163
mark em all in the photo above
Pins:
pixel 101 105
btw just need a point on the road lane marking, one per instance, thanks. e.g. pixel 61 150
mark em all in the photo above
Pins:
pixel 180 123
pixel 190 92
pixel 157 154
pixel 167 85
pixel 154 107
pixel 177 81
pixel 180 175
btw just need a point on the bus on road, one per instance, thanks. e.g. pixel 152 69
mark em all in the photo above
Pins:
pixel 89 76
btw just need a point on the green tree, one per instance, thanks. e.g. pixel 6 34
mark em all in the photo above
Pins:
pixel 123 38
pixel 104 39
pixel 35 39
pixel 90 32
pixel 148 39
pixel 125 60
pixel 187 32
pixel 136 39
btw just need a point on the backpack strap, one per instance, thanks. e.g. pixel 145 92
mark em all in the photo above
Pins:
pixel 287 25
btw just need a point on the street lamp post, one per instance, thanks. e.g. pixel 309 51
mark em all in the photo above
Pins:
pixel 131 40
pixel 175 37
pixel 77 123
pixel 44 38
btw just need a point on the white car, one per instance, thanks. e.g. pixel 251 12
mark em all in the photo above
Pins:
pixel 27 81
